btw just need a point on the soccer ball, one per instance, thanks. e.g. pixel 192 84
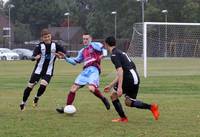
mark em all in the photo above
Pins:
pixel 70 109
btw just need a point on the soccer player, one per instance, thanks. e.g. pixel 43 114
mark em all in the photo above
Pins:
pixel 45 54
pixel 90 55
pixel 126 82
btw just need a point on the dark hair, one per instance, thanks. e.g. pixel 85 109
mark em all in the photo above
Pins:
pixel 45 32
pixel 86 33
pixel 110 41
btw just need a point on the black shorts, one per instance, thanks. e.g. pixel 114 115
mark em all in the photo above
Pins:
pixel 36 77
pixel 129 89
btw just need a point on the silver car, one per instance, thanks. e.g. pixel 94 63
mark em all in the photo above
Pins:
pixel 24 54
pixel 7 54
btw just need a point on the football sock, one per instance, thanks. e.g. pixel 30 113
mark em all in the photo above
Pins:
pixel 140 104
pixel 70 98
pixel 40 91
pixel 118 108
pixel 27 92
pixel 98 94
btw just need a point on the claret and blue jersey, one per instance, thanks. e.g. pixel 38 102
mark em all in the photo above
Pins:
pixel 90 56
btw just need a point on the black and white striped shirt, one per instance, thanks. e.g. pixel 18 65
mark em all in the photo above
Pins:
pixel 45 65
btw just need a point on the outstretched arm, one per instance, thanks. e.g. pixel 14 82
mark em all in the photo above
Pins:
pixel 70 60
pixel 75 60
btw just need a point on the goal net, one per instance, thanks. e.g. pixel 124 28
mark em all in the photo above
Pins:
pixel 166 48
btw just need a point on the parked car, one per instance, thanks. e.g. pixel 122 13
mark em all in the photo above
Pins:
pixel 7 54
pixel 24 54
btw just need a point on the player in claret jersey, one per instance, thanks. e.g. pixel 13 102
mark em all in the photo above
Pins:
pixel 91 55
pixel 126 82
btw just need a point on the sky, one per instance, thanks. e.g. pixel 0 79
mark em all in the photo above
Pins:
pixel 5 1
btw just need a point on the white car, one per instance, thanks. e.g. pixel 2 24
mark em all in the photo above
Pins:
pixel 7 54
pixel 24 54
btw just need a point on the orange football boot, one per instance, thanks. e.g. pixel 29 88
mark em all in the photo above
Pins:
pixel 155 111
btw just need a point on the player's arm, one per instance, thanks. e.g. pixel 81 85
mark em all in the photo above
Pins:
pixel 109 86
pixel 77 59
pixel 60 52
pixel 119 80
pixel 36 53
pixel 97 46
pixel 100 48
pixel 119 76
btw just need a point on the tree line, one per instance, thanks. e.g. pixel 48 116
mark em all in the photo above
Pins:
pixel 94 16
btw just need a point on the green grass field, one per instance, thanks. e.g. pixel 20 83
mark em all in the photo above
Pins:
pixel 173 84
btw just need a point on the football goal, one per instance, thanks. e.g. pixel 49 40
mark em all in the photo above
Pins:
pixel 163 42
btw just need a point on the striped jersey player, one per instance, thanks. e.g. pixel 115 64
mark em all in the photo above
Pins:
pixel 45 54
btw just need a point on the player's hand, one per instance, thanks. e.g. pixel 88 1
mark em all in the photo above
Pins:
pixel 38 57
pixel 119 91
pixel 107 89
pixel 60 55
pixel 32 58
pixel 35 58
pixel 101 57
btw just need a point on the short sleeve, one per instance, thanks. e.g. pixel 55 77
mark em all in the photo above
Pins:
pixel 37 50
pixel 60 49
pixel 116 61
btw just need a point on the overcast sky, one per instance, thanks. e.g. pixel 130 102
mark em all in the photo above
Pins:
pixel 5 0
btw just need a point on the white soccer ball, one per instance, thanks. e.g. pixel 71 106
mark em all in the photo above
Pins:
pixel 70 109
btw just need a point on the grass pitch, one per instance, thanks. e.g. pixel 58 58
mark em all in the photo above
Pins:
pixel 178 96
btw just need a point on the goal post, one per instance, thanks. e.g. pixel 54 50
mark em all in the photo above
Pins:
pixel 164 40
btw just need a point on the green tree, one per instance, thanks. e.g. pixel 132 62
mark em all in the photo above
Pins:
pixel 38 14
pixel 101 23
pixel 191 11
pixel 95 16
pixel 22 33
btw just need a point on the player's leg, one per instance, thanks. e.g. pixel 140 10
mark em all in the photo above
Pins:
pixel 79 82
pixel 70 97
pixel 131 92
pixel 131 101
pixel 92 79
pixel 97 93
pixel 118 107
pixel 33 80
pixel 136 103
pixel 72 93
pixel 43 84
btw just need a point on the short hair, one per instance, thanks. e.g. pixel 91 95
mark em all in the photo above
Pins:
pixel 86 33
pixel 45 32
pixel 110 41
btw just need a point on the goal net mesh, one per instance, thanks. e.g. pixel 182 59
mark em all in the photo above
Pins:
pixel 170 47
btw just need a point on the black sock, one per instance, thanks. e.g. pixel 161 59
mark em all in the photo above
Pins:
pixel 140 104
pixel 40 91
pixel 118 108
pixel 27 92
